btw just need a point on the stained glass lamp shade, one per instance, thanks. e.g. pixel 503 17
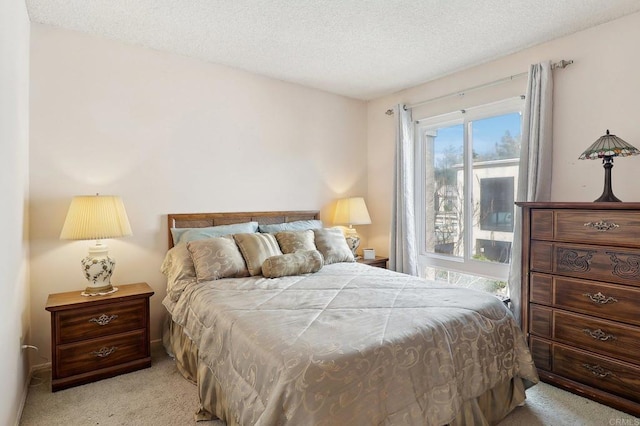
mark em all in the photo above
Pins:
pixel 607 147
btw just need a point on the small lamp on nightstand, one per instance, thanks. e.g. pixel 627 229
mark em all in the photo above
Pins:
pixel 352 211
pixel 96 217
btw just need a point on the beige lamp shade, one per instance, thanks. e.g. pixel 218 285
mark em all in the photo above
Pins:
pixel 95 217
pixel 351 211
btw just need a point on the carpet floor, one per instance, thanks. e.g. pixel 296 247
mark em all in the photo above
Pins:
pixel 160 396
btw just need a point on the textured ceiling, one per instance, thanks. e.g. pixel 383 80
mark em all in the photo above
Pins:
pixel 361 49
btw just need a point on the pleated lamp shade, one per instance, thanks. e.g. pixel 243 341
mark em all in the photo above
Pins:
pixel 351 211
pixel 95 217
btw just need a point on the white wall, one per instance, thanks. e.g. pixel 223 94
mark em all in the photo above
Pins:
pixel 14 188
pixel 170 134
pixel 599 91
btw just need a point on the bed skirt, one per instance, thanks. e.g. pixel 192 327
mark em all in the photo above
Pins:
pixel 487 409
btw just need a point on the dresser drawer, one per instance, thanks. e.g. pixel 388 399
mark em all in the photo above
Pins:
pixel 596 335
pixel 92 355
pixel 598 227
pixel 605 263
pixel 609 301
pixel 603 373
pixel 101 320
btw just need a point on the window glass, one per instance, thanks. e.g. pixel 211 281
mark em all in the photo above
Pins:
pixel 467 170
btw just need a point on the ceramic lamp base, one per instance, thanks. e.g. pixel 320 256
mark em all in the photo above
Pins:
pixel 98 268
pixel 353 241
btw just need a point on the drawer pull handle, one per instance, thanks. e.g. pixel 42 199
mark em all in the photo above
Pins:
pixel 602 226
pixel 599 334
pixel 104 352
pixel 103 319
pixel 600 298
pixel 597 371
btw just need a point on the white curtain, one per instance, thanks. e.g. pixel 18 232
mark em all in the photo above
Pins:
pixel 534 177
pixel 403 256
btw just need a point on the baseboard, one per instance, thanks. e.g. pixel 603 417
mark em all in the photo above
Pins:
pixel 155 344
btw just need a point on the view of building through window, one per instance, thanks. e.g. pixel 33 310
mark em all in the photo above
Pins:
pixel 468 173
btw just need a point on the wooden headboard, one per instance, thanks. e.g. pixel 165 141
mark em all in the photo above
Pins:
pixel 203 220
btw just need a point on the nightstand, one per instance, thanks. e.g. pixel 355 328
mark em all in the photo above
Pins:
pixel 379 261
pixel 96 337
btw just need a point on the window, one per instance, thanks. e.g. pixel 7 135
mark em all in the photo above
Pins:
pixel 466 169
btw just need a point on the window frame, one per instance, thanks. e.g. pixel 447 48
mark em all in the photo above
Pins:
pixel 465 264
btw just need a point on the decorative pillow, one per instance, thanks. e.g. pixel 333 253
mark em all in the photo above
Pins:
pixel 192 234
pixel 177 263
pixel 300 262
pixel 256 248
pixel 179 269
pixel 292 241
pixel 298 225
pixel 216 258
pixel 333 245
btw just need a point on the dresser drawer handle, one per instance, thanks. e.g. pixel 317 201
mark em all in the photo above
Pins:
pixel 600 298
pixel 599 334
pixel 598 371
pixel 103 319
pixel 104 352
pixel 602 226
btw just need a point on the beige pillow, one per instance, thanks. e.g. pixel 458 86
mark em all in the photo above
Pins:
pixel 216 258
pixel 255 248
pixel 300 262
pixel 333 246
pixel 177 264
pixel 292 241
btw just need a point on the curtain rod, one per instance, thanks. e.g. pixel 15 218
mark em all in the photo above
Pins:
pixel 558 65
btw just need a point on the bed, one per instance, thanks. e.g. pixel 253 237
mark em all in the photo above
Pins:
pixel 346 344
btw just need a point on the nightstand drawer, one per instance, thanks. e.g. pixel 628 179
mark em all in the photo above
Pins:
pixel 86 356
pixel 378 261
pixel 102 320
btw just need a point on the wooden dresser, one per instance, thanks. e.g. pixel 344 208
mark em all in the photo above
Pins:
pixel 581 298
pixel 96 337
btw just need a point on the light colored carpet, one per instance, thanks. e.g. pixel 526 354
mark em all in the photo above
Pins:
pixel 161 396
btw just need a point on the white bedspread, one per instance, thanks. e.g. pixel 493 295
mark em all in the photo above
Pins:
pixel 349 345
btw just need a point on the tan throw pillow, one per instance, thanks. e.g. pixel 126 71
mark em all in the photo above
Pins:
pixel 255 248
pixel 216 258
pixel 333 246
pixel 300 262
pixel 292 241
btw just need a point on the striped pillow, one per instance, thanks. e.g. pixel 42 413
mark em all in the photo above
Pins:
pixel 256 248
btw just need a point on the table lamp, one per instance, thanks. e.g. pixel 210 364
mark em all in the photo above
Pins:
pixel 96 217
pixel 607 147
pixel 352 211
